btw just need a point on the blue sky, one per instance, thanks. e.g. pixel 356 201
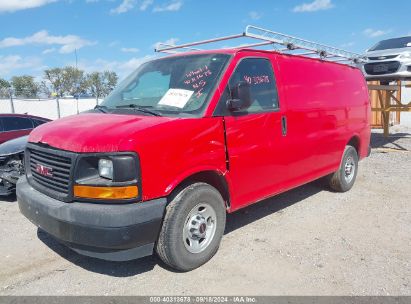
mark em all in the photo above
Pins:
pixel 119 34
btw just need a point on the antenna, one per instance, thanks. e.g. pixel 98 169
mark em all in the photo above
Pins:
pixel 75 52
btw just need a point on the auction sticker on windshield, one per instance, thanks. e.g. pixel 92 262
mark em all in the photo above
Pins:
pixel 176 98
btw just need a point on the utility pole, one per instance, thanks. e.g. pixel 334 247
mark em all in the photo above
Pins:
pixel 11 100
pixel 77 84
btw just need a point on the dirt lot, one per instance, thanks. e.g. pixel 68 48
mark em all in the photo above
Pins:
pixel 308 241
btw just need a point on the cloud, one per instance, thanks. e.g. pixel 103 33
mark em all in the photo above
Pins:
pixel 48 51
pixel 129 50
pixel 171 41
pixel 122 68
pixel 348 44
pixel 68 43
pixel 316 5
pixel 369 32
pixel 113 43
pixel 145 4
pixel 254 15
pixel 124 7
pixel 17 5
pixel 9 64
pixel 172 6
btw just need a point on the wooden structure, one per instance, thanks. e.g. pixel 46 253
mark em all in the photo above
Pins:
pixel 386 104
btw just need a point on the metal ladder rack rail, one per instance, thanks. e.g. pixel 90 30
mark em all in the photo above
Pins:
pixel 269 37
pixel 294 43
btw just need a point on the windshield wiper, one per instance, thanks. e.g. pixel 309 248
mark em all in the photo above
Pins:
pixel 103 109
pixel 139 108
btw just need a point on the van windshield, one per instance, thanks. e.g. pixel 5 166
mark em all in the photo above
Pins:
pixel 176 85
pixel 395 43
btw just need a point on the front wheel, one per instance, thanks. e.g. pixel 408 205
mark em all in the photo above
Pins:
pixel 344 178
pixel 193 226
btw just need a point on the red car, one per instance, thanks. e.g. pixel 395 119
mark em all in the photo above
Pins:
pixel 17 125
pixel 186 139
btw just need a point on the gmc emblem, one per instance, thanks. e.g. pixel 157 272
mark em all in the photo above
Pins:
pixel 43 170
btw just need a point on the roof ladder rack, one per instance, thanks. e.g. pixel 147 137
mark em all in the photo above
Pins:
pixel 269 37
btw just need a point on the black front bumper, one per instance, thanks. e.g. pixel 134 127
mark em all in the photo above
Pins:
pixel 110 232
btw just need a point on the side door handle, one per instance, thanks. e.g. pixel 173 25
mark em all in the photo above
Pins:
pixel 284 125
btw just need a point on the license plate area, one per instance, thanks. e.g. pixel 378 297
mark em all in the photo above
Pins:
pixel 379 68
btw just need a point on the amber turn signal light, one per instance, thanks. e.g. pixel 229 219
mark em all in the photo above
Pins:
pixel 96 192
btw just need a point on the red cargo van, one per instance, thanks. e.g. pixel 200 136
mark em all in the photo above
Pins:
pixel 187 138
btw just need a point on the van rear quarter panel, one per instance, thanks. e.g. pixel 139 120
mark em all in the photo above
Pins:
pixel 327 104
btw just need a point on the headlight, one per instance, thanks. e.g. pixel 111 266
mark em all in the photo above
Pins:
pixel 406 56
pixel 108 177
pixel 105 168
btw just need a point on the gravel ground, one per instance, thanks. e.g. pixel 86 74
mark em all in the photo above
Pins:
pixel 308 241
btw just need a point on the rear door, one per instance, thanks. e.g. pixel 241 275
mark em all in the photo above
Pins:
pixel 256 137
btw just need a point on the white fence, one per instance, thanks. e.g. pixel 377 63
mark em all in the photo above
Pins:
pixel 49 108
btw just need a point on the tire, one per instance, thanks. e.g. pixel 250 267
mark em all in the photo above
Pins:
pixel 184 242
pixel 344 178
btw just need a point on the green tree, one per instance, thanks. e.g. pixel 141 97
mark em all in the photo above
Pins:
pixel 101 84
pixel 110 79
pixel 54 78
pixel 74 81
pixel 67 80
pixel 4 88
pixel 25 86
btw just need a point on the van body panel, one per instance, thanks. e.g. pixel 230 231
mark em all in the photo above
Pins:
pixel 327 105
pixel 256 147
pixel 170 149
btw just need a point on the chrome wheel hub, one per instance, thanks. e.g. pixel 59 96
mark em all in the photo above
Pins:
pixel 199 228
pixel 349 169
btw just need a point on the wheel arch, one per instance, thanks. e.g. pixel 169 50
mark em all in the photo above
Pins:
pixel 356 143
pixel 212 177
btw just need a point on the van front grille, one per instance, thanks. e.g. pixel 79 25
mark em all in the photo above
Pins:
pixel 49 171
pixel 381 68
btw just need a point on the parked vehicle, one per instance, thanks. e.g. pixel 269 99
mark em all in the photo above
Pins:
pixel 17 125
pixel 11 164
pixel 186 139
pixel 388 60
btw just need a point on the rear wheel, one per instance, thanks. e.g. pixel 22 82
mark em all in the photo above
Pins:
pixel 344 178
pixel 192 228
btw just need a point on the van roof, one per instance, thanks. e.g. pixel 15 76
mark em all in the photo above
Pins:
pixel 233 51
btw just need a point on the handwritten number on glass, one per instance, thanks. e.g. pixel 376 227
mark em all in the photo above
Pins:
pixel 257 79
pixel 196 78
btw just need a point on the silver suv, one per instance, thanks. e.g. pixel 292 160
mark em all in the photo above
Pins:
pixel 388 60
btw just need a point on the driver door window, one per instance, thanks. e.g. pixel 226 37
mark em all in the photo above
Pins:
pixel 258 73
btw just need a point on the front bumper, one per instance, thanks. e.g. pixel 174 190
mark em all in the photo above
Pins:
pixel 110 232
pixel 403 71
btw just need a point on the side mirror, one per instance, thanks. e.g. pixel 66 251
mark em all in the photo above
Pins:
pixel 240 97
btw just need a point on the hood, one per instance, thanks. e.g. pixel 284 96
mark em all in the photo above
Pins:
pixel 96 132
pixel 13 146
pixel 388 52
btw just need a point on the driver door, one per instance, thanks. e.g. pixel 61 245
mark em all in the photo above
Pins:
pixel 256 136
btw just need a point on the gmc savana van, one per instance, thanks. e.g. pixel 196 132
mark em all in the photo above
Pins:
pixel 186 139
